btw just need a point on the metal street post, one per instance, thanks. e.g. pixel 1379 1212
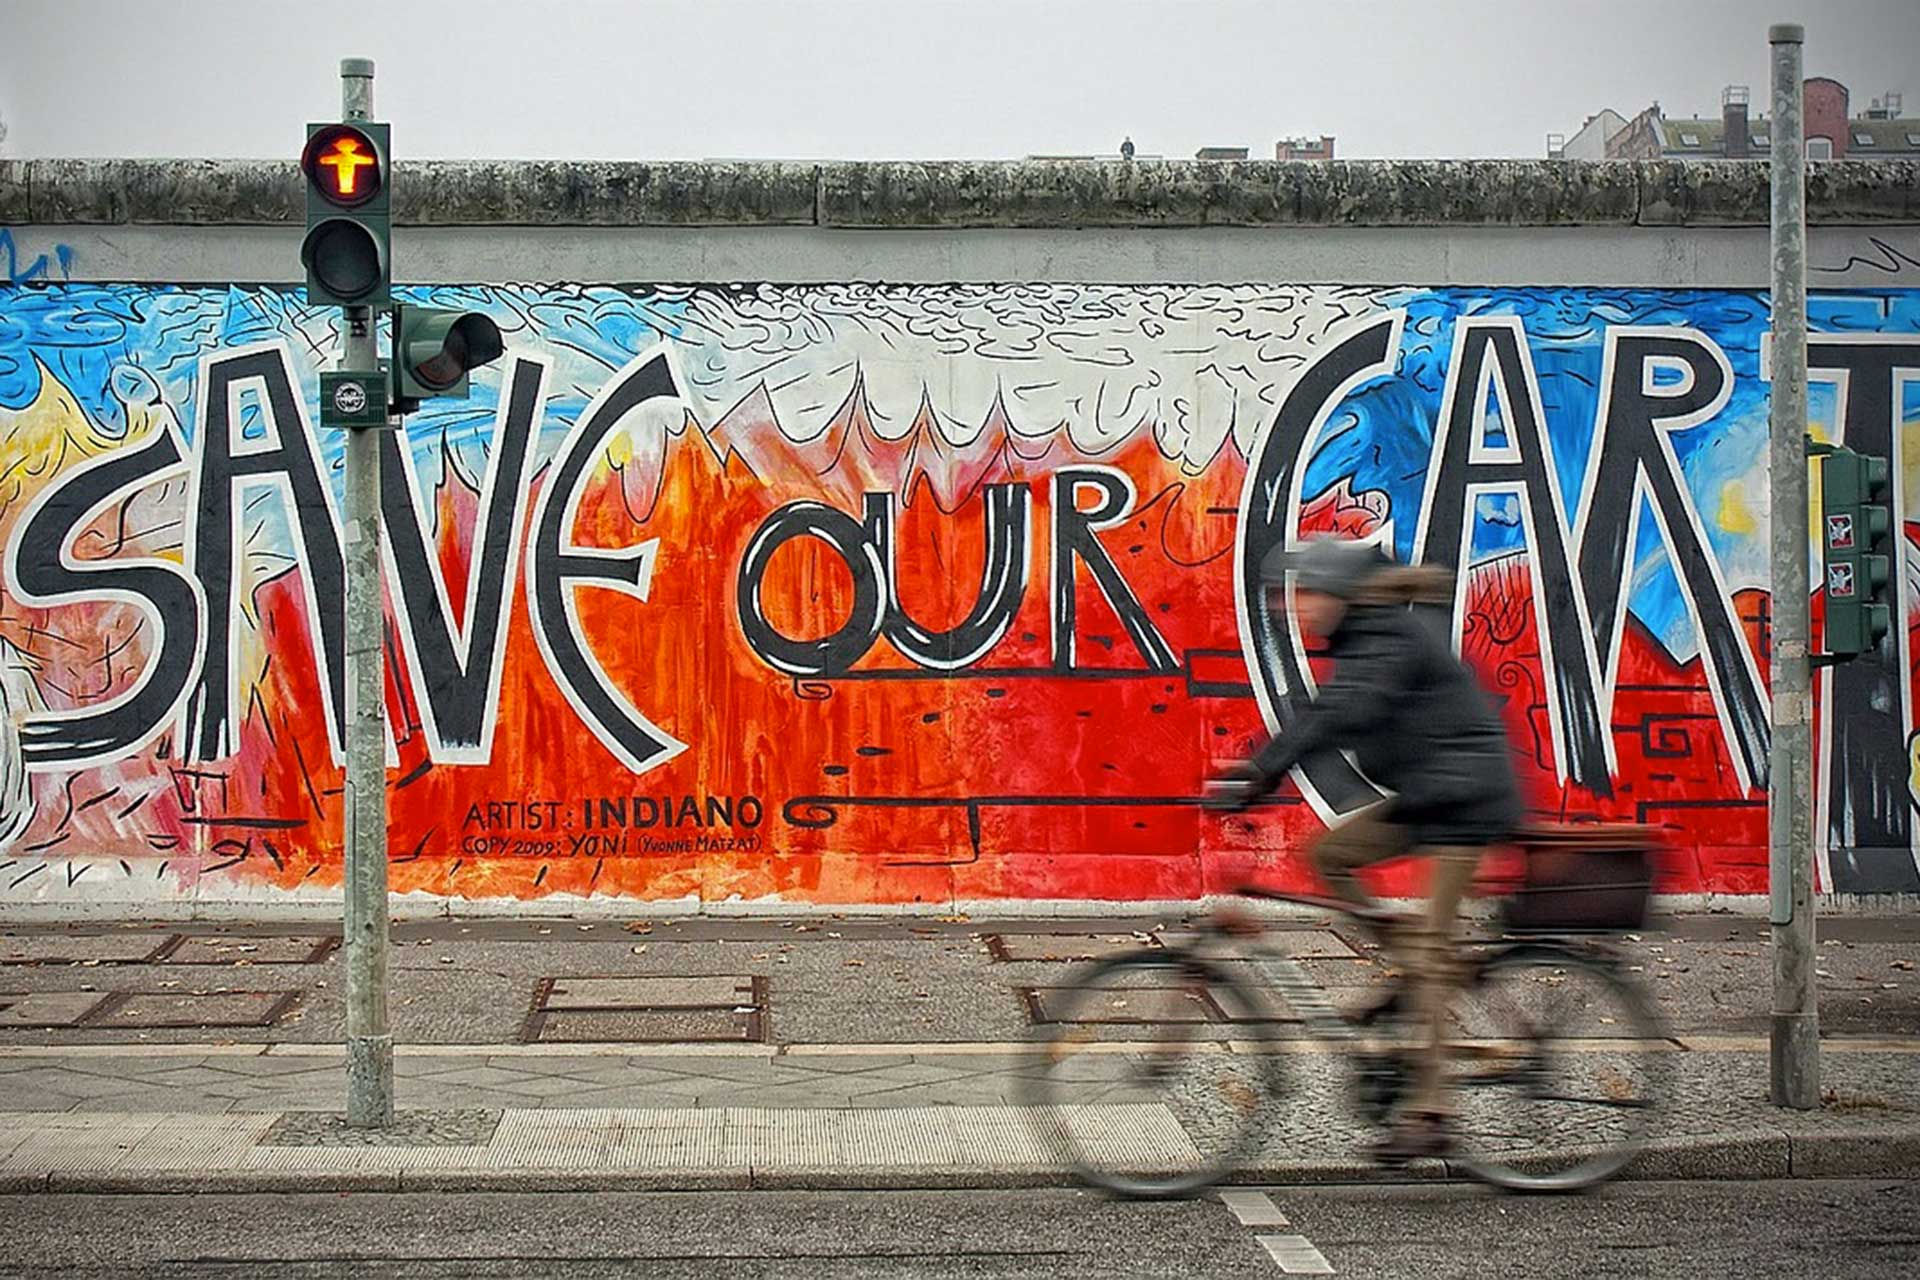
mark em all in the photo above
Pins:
pixel 369 1038
pixel 1795 1057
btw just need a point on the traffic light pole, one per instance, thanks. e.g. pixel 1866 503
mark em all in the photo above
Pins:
pixel 369 1039
pixel 1795 1057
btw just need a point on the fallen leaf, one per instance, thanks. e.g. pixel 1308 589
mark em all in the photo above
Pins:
pixel 854 964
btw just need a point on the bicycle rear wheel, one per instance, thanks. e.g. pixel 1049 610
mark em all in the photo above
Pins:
pixel 1560 1072
pixel 1139 1090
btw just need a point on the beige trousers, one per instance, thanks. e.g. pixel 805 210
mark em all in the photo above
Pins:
pixel 1426 953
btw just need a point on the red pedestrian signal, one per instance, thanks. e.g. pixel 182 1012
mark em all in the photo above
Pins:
pixel 343 166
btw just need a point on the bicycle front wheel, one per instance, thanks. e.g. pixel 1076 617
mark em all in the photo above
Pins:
pixel 1560 1072
pixel 1137 1086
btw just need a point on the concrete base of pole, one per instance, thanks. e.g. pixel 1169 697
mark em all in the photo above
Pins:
pixel 1795 1061
pixel 370 1081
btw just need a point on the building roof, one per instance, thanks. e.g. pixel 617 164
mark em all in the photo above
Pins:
pixel 1866 137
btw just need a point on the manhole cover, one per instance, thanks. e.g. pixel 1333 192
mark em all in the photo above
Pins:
pixel 1129 1006
pixel 468 1128
pixel 48 1010
pixel 231 950
pixel 656 1009
pixel 194 1010
pixel 649 993
pixel 99 948
pixel 1063 946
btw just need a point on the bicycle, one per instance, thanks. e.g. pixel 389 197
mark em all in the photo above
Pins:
pixel 1557 1072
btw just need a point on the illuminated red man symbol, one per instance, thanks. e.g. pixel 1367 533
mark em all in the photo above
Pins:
pixel 345 158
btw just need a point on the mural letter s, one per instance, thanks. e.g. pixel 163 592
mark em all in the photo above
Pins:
pixel 42 571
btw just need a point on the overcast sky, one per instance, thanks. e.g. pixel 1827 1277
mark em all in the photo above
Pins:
pixel 919 79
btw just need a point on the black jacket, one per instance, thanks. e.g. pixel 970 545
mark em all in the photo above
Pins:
pixel 1417 722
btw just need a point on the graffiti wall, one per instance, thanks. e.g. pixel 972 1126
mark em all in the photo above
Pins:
pixel 894 594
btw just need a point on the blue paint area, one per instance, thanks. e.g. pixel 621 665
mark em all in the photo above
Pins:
pixel 1382 435
pixel 108 343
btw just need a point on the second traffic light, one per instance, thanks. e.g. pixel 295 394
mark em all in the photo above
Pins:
pixel 347 250
pixel 1855 523
pixel 433 351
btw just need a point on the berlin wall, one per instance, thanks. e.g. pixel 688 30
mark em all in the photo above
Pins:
pixel 880 533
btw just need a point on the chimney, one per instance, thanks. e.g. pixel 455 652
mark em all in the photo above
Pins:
pixel 1735 132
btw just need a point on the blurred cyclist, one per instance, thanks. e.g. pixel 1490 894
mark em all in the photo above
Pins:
pixel 1417 722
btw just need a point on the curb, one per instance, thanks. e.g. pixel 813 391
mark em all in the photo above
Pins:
pixel 1760 1154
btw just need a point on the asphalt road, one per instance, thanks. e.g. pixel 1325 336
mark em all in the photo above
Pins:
pixel 1698 1230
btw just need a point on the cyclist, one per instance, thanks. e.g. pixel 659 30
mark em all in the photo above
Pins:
pixel 1418 723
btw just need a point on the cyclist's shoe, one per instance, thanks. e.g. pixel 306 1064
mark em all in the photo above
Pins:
pixel 1416 1137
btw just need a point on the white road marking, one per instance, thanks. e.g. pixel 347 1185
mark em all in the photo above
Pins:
pixel 1254 1209
pixel 1296 1255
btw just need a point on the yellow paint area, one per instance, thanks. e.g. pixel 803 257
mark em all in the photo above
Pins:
pixel 1736 514
pixel 40 441
pixel 1913 769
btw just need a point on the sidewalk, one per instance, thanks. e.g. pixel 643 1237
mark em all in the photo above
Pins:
pixel 863 1054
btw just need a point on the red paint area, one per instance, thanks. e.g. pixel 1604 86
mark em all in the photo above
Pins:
pixel 1014 778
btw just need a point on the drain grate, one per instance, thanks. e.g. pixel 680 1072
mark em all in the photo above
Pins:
pixel 1014 947
pixel 228 950
pixel 466 1128
pixel 87 949
pixel 665 1009
pixel 48 1010
pixel 192 1011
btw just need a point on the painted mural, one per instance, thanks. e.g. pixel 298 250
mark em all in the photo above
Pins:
pixel 856 593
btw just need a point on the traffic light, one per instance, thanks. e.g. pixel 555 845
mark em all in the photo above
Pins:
pixel 1855 525
pixel 349 224
pixel 433 351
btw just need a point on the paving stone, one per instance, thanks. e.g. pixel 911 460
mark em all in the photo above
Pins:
pixel 68 948
pixel 638 1094
pixel 194 1010
pixel 484 1078
pixel 48 1009
pixel 1062 946
pixel 1129 1005
pixel 644 1025
pixel 201 950
pixel 1301 943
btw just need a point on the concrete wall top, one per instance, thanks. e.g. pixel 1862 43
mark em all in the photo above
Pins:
pixel 963 194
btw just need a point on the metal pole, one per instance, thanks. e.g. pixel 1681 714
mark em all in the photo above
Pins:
pixel 1795 1059
pixel 369 1039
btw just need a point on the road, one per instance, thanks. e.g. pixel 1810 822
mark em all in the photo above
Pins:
pixel 1699 1230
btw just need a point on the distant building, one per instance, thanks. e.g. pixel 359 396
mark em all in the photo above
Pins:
pixel 1590 143
pixel 1320 148
pixel 1221 153
pixel 1739 134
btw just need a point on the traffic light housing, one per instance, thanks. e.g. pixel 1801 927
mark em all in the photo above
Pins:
pixel 433 351
pixel 348 246
pixel 1855 524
